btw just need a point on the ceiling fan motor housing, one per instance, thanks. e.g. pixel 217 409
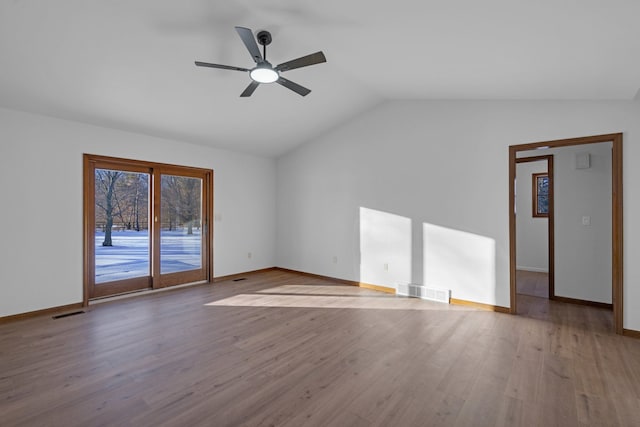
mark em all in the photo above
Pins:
pixel 264 37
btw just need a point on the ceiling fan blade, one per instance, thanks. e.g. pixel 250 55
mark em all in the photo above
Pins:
pixel 314 58
pixel 250 42
pixel 224 67
pixel 249 90
pixel 300 90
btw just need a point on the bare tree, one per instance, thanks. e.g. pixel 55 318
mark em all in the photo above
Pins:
pixel 131 194
pixel 140 196
pixel 182 197
pixel 105 186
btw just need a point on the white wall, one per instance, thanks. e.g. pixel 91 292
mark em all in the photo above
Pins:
pixel 385 248
pixel 41 216
pixel 583 252
pixel 444 164
pixel 532 233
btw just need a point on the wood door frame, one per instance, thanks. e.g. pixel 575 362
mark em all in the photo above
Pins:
pixel 616 216
pixel 550 219
pixel 89 161
pixel 172 279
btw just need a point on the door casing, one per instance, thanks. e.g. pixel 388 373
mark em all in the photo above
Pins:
pixel 616 216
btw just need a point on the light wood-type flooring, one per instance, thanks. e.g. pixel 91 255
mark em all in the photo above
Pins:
pixel 532 283
pixel 282 349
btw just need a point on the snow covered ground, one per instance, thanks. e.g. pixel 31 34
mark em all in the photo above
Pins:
pixel 129 255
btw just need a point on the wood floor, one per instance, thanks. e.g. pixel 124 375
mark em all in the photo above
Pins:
pixel 532 283
pixel 280 349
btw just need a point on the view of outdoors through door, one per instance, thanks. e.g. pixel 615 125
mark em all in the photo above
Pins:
pixel 121 225
pixel 181 225
pixel 146 225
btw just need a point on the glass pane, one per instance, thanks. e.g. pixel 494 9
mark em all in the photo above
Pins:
pixel 543 185
pixel 122 225
pixel 543 204
pixel 181 224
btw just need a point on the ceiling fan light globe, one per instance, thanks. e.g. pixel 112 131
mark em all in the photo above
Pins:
pixel 264 75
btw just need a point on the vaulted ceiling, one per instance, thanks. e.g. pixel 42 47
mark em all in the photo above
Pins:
pixel 130 64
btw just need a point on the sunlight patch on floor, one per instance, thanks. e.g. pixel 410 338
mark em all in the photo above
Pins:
pixel 323 290
pixel 330 301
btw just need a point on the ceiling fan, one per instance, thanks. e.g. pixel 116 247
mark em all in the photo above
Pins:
pixel 264 72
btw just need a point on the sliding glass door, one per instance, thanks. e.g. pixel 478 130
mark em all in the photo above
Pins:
pixel 146 225
pixel 181 229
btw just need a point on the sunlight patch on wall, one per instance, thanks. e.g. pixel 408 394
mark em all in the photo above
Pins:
pixel 462 262
pixel 385 248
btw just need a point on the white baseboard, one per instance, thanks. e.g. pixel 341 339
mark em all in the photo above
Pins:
pixel 535 269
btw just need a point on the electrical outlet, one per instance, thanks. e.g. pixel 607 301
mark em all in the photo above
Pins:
pixel 386 267
pixel 335 259
pixel 249 255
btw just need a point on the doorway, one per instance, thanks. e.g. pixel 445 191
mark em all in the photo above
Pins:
pixel 535 226
pixel 146 225
pixel 616 216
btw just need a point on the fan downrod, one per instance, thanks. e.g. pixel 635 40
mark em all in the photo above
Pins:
pixel 264 37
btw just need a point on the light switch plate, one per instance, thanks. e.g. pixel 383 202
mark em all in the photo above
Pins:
pixel 586 220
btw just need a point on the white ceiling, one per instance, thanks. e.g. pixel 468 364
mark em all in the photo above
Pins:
pixel 128 64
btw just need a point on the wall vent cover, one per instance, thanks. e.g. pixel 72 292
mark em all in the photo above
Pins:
pixel 423 292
